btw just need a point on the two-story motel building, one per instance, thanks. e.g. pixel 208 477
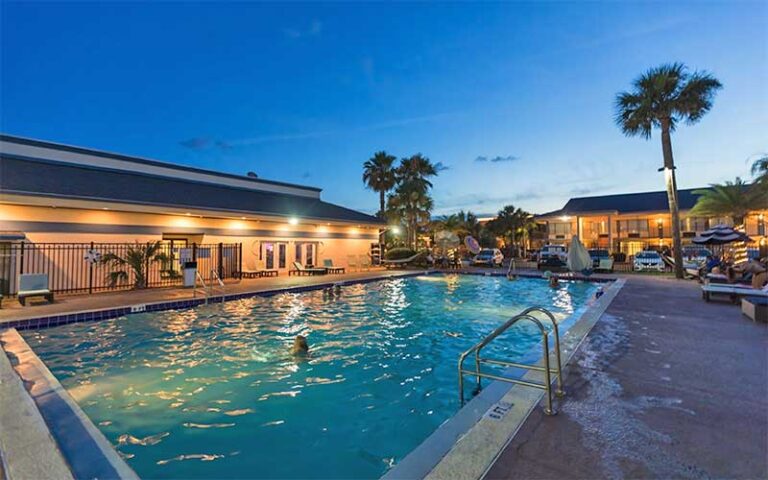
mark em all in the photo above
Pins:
pixel 632 222
pixel 58 193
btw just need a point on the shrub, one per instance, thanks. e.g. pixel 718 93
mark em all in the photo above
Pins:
pixel 399 253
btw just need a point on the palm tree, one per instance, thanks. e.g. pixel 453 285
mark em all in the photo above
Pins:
pixel 379 176
pixel 136 259
pixel 731 199
pixel 760 171
pixel 512 224
pixel 663 97
pixel 411 202
pixel 416 169
pixel 453 223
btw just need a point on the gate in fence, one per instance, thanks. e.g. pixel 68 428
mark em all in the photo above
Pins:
pixel 95 267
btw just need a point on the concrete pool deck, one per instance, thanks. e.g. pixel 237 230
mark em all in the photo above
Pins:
pixel 664 386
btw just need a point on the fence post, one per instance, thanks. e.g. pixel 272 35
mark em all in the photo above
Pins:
pixel 194 252
pixel 21 258
pixel 90 273
pixel 240 260
pixel 146 268
pixel 221 260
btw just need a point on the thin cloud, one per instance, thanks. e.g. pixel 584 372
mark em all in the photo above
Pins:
pixel 195 143
pixel 497 159
pixel 314 29
pixel 397 123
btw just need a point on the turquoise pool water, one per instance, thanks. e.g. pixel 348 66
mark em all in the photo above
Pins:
pixel 213 392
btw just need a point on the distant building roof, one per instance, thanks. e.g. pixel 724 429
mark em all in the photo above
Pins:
pixel 74 178
pixel 625 203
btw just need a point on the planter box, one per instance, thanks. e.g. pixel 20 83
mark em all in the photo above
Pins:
pixel 756 308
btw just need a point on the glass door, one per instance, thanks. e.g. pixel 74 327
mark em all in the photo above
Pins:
pixel 281 254
pixel 275 255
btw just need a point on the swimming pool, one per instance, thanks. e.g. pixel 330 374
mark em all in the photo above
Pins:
pixel 214 391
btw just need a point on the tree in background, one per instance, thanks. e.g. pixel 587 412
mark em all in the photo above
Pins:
pixel 663 97
pixel 730 199
pixel 513 225
pixel 379 176
pixel 411 204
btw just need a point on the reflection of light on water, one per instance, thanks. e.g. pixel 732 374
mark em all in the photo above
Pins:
pixel 375 349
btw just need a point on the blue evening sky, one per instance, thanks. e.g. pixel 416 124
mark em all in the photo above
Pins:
pixel 306 93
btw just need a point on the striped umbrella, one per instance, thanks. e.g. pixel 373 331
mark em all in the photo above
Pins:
pixel 721 235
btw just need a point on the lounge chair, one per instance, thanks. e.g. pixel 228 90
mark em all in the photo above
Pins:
pixel 34 285
pixel 365 262
pixel 735 291
pixel 300 269
pixel 328 265
pixel 352 262
pixel 400 262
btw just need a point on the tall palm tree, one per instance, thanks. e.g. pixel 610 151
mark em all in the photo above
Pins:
pixel 663 97
pixel 731 199
pixel 379 176
pixel 416 169
pixel 412 203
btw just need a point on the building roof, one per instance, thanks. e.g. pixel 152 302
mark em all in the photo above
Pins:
pixel 44 177
pixel 625 203
pixel 138 162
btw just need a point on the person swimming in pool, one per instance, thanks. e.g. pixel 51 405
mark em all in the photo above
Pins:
pixel 300 346
pixel 554 282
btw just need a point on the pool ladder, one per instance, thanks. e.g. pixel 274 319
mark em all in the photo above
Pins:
pixel 208 290
pixel 525 315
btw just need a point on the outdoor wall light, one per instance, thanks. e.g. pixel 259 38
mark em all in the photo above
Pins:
pixel 395 230
pixel 565 218
pixel 293 221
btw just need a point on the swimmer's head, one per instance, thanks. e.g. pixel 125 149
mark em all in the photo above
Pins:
pixel 300 344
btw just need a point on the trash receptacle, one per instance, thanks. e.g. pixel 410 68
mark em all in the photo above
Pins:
pixel 190 270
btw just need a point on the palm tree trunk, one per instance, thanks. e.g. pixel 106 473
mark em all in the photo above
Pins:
pixel 674 211
pixel 381 203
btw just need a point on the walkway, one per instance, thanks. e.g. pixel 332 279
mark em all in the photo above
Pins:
pixel 665 386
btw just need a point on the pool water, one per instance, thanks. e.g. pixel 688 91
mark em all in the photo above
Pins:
pixel 214 391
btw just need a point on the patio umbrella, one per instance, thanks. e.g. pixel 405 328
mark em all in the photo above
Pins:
pixel 446 240
pixel 472 244
pixel 578 257
pixel 721 235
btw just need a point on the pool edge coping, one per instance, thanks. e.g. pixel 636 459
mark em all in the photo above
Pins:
pixel 45 390
pixel 432 460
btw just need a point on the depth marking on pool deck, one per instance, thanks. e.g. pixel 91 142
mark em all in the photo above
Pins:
pixel 468 444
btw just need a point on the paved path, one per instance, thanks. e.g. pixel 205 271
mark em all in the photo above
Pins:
pixel 665 386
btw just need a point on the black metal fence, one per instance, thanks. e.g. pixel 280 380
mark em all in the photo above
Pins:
pixel 94 267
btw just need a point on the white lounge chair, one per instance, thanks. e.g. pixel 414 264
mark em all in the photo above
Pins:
pixel 300 269
pixel 365 262
pixel 402 261
pixel 735 291
pixel 34 285
pixel 352 262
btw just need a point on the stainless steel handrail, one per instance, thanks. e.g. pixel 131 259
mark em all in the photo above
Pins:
pixel 547 386
pixel 199 277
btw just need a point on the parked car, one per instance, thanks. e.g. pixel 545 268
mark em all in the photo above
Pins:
pixel 601 260
pixel 552 257
pixel 648 261
pixel 489 256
